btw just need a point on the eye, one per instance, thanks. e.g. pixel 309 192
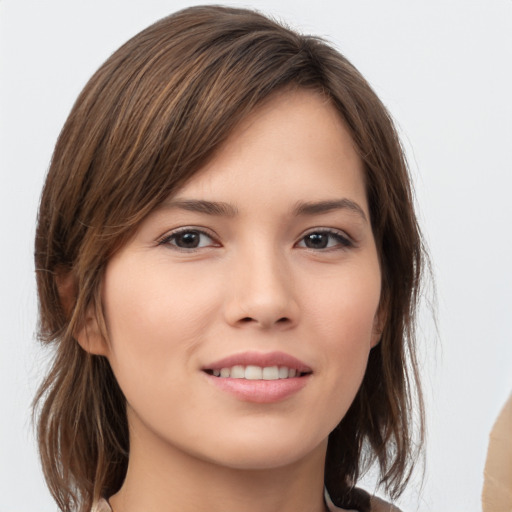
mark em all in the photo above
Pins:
pixel 188 239
pixel 325 239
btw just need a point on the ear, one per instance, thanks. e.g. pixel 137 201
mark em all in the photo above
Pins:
pixel 89 335
pixel 379 322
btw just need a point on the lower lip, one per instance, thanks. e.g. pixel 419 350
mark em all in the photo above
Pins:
pixel 260 391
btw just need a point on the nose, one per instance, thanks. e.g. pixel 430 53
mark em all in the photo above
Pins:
pixel 261 291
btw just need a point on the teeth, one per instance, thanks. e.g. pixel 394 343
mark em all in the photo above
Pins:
pixel 283 372
pixel 237 372
pixel 270 373
pixel 252 372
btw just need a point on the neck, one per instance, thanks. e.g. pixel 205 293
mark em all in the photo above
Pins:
pixel 163 478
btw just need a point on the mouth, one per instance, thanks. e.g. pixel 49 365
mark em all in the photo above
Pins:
pixel 254 372
pixel 258 366
pixel 256 377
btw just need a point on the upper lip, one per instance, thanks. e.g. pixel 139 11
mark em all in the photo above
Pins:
pixel 259 359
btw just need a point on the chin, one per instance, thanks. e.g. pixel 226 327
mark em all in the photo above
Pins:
pixel 266 454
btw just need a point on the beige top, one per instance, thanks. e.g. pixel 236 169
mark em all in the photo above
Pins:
pixel 497 490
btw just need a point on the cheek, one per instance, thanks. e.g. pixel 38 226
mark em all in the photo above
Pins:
pixel 153 298
pixel 344 306
pixel 154 321
pixel 343 317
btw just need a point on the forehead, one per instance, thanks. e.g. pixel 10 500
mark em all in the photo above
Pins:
pixel 295 144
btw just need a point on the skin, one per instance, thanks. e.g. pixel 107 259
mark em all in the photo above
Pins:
pixel 253 283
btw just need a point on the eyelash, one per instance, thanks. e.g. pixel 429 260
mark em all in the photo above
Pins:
pixel 342 241
pixel 167 239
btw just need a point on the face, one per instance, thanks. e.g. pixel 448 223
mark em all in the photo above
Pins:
pixel 242 312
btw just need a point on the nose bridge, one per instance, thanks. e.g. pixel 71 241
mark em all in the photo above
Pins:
pixel 262 287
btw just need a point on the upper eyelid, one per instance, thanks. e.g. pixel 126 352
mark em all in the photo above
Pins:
pixel 184 229
pixel 345 241
pixel 209 233
pixel 334 231
pixel 173 232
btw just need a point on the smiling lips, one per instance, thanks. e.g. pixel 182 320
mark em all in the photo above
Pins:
pixel 260 378
pixel 252 372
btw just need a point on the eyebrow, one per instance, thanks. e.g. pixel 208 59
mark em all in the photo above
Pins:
pixel 202 206
pixel 319 207
pixel 223 209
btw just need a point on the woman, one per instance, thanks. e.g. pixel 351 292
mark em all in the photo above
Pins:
pixel 228 264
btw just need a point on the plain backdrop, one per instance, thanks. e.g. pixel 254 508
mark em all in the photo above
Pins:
pixel 443 68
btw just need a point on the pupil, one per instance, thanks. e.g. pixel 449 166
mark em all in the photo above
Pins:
pixel 316 241
pixel 188 240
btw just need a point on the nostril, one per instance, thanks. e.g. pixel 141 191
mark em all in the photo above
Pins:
pixel 264 322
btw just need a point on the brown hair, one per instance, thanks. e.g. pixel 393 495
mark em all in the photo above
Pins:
pixel 149 118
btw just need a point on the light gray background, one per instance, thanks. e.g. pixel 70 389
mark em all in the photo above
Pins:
pixel 443 67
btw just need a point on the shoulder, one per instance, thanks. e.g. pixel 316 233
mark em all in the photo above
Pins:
pixel 101 506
